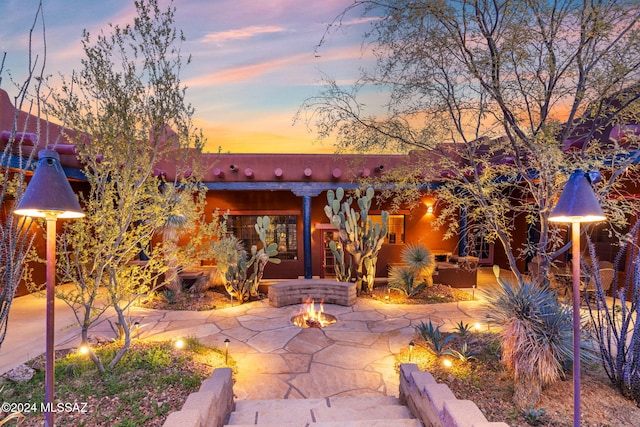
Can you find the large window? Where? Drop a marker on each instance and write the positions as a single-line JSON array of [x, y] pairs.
[[395, 227], [283, 231]]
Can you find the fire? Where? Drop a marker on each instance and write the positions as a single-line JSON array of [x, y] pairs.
[[309, 317]]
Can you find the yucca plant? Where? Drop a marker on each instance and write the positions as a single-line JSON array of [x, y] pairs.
[[419, 259], [537, 336], [403, 279]]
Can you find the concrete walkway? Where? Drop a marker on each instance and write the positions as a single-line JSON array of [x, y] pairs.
[[275, 358]]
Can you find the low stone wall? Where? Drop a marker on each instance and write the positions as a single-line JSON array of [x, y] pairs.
[[435, 404], [208, 407], [298, 291]]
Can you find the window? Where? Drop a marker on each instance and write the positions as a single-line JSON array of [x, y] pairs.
[[283, 231], [395, 227]]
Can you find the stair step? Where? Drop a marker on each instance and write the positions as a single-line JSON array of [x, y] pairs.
[[301, 414], [354, 423], [381, 412], [332, 402], [278, 404]]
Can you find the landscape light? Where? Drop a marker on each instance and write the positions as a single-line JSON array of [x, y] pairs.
[[577, 203], [49, 196]]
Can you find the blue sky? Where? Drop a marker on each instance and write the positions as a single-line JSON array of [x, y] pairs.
[[253, 61]]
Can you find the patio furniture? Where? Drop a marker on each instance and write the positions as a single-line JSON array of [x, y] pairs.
[[458, 272]]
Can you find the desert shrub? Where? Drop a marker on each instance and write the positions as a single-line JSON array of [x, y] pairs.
[[403, 279], [614, 321], [419, 259], [416, 273], [537, 336], [436, 341]]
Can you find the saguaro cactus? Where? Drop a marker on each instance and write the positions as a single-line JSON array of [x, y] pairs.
[[360, 237]]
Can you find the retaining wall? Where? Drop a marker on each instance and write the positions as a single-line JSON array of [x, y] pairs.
[[298, 291], [208, 407], [435, 404]]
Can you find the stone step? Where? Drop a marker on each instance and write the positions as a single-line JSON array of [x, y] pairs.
[[315, 412], [357, 423], [355, 402]]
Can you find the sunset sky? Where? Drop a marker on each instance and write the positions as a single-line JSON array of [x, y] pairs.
[[253, 62]]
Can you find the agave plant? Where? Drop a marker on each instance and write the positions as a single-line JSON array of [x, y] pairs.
[[403, 279], [434, 339], [537, 336]]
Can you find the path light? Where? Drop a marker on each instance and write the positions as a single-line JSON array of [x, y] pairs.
[[83, 349], [49, 196], [411, 345], [226, 351], [179, 344], [577, 204], [446, 363]]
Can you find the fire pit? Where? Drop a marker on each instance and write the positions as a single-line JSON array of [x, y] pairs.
[[309, 317]]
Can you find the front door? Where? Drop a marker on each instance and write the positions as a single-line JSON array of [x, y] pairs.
[[328, 261]]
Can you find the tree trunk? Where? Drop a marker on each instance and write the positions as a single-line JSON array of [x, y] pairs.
[[527, 391]]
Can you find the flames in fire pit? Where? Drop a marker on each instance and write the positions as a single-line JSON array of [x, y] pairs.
[[309, 317]]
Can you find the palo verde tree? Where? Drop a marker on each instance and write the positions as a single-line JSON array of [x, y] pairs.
[[497, 101], [126, 112], [17, 144]]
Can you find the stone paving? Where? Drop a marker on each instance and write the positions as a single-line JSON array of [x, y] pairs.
[[275, 359], [278, 360]]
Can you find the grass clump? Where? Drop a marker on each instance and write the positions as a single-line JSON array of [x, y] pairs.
[[153, 379]]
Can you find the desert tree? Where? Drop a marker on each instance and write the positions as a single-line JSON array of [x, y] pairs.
[[496, 102], [17, 158], [126, 112]]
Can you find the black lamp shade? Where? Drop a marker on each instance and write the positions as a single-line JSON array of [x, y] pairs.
[[578, 202], [49, 191]]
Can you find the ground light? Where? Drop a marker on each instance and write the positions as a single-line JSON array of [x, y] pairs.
[[49, 196], [226, 351], [577, 204], [411, 345]]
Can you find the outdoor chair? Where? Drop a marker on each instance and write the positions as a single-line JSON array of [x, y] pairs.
[[607, 274]]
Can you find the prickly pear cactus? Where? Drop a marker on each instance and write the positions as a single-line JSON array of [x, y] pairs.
[[361, 239], [343, 269], [237, 280]]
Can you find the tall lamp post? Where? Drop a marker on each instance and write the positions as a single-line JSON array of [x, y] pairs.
[[577, 204], [49, 196]]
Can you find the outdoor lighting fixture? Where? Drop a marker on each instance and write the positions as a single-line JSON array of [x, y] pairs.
[[49, 196], [429, 209], [226, 351], [577, 204], [83, 349], [411, 345], [179, 343], [446, 363], [477, 326]]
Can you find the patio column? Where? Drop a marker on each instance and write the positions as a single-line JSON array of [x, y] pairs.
[[306, 195], [463, 250]]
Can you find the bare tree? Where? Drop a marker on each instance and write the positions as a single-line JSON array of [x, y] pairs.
[[497, 101], [18, 151], [127, 115]]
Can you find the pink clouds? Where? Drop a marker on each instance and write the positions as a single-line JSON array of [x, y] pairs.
[[241, 33]]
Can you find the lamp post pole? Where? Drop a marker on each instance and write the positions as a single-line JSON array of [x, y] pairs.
[[575, 264], [577, 203], [49, 196], [51, 219]]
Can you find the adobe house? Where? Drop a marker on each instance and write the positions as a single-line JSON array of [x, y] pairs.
[[292, 190]]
